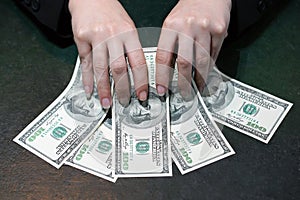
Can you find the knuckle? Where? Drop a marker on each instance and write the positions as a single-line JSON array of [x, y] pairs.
[[190, 20], [129, 25], [85, 66], [220, 29], [99, 70], [84, 32], [98, 29], [170, 22], [136, 58], [203, 62], [118, 68], [183, 63], [138, 63], [162, 58], [114, 28], [81, 33], [111, 28], [167, 23], [204, 23]]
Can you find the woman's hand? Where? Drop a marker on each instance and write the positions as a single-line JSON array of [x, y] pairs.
[[196, 28], [104, 33]]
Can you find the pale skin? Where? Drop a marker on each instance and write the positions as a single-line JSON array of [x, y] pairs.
[[105, 34]]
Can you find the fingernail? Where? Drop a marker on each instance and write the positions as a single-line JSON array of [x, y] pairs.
[[105, 103], [88, 92], [143, 96], [161, 90], [124, 102]]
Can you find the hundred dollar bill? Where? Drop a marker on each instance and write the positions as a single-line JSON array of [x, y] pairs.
[[142, 137], [196, 140], [244, 108], [64, 124], [95, 155]]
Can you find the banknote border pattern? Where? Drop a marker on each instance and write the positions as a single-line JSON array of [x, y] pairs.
[[226, 150], [264, 137]]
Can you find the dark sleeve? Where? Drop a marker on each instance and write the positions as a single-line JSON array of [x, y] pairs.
[[245, 13], [53, 14]]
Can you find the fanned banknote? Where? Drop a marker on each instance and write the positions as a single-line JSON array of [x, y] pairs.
[[95, 155], [237, 105], [244, 108], [142, 134], [142, 137], [196, 140], [64, 124]]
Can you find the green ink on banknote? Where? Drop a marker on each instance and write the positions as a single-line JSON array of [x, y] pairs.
[[104, 146], [185, 154], [142, 147], [82, 151], [193, 138], [36, 134], [250, 109], [59, 132], [255, 126], [125, 161]]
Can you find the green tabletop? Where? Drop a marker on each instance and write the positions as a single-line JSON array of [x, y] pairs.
[[34, 71]]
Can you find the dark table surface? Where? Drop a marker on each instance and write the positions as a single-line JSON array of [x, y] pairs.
[[34, 71]]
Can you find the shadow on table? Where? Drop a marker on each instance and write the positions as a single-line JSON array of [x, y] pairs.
[[229, 57]]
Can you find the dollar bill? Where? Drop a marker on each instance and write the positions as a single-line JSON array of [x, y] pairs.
[[238, 105], [64, 124], [95, 155], [142, 133], [142, 137], [196, 139], [244, 108]]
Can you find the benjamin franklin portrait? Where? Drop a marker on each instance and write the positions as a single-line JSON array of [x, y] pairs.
[[218, 92], [82, 109], [143, 116], [181, 109]]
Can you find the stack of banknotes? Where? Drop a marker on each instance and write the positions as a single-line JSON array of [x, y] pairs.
[[142, 139]]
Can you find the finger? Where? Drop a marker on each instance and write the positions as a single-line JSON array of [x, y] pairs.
[[202, 59], [119, 70], [216, 44], [100, 65], [85, 54], [218, 34], [184, 64], [164, 58], [138, 65], [140, 73]]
